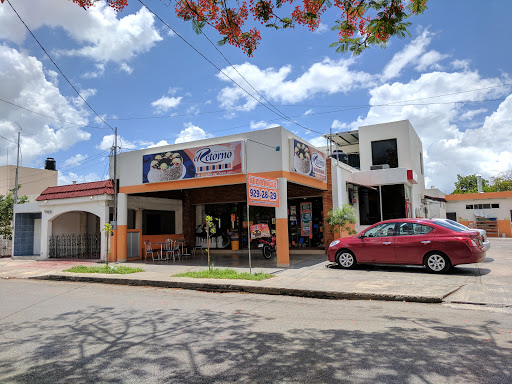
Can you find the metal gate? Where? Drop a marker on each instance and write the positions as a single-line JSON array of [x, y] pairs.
[[75, 246]]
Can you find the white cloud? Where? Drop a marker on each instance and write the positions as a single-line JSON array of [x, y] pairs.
[[339, 126], [100, 70], [430, 60], [107, 142], [126, 68], [409, 54], [163, 104], [308, 112], [448, 148], [103, 36], [66, 179], [76, 160], [322, 28], [328, 76], [472, 113], [161, 143], [191, 133], [256, 125], [23, 82]]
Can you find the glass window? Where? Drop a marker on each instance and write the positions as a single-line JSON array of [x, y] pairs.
[[450, 226], [421, 163], [495, 205], [158, 222], [469, 206], [393, 202], [381, 230], [385, 152], [451, 216], [487, 206], [408, 229], [369, 206]]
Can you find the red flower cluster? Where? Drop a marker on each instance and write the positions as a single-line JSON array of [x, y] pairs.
[[230, 21], [118, 5]]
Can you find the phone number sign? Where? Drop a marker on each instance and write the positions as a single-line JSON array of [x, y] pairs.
[[262, 191]]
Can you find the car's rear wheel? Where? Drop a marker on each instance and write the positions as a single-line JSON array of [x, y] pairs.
[[346, 259], [437, 262]]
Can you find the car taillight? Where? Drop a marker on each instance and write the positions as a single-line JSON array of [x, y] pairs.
[[467, 240]]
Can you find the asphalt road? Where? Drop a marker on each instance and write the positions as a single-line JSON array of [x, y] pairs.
[[59, 332]]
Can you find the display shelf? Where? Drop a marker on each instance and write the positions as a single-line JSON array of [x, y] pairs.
[[490, 225]]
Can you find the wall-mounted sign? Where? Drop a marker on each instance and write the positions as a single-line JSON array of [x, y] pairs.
[[259, 230], [308, 161], [306, 218], [211, 160], [262, 191]]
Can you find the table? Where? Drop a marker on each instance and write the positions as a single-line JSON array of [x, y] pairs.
[[161, 250]]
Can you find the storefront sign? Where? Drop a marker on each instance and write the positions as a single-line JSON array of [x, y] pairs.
[[306, 218], [211, 160], [259, 230], [308, 161], [262, 191]]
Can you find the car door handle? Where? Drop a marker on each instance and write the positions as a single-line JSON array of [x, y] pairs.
[[386, 242], [425, 242]]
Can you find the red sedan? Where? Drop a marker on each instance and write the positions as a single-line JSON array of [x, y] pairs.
[[436, 245]]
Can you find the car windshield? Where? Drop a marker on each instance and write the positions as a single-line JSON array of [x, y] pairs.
[[450, 226]]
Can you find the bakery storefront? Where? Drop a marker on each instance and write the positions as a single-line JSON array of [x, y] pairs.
[[167, 192]]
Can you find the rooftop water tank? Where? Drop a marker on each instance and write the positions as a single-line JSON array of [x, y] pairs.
[[49, 164]]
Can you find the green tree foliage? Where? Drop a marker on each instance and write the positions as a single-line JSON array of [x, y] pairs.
[[6, 212], [468, 184], [341, 217], [503, 182]]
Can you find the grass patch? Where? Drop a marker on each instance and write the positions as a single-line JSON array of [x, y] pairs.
[[110, 269], [227, 273]]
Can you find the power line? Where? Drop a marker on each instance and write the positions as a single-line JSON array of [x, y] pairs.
[[56, 66], [221, 71], [5, 138], [50, 117]]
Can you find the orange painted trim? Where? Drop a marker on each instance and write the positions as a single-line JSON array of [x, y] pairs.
[[282, 246], [504, 226], [221, 180], [479, 196], [185, 184], [121, 243], [113, 247]]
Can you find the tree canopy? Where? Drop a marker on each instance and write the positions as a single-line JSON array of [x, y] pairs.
[[6, 212], [468, 184], [360, 24]]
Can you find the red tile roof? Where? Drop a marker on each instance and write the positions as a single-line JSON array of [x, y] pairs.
[[77, 190]]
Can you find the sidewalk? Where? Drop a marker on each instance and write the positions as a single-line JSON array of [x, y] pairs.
[[487, 283]]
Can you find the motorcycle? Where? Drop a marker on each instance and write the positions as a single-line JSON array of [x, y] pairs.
[[268, 246]]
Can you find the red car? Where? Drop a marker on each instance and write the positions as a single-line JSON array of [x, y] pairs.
[[436, 245]]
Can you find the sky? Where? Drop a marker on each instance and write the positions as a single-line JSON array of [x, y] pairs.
[[452, 80]]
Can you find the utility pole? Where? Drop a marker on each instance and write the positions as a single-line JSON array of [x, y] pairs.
[[17, 166], [248, 219], [115, 180]]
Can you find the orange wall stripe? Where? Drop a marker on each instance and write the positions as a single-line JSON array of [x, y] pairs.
[[479, 196], [220, 180]]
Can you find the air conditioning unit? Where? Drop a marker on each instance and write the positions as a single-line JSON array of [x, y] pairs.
[[380, 166]]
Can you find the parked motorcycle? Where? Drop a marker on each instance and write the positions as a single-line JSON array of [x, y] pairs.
[[268, 246]]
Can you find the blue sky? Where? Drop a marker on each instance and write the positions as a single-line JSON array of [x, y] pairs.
[[452, 80]]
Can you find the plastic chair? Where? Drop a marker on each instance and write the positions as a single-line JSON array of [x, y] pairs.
[[169, 250], [149, 250]]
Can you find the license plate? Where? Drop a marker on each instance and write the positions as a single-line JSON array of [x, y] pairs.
[[260, 245]]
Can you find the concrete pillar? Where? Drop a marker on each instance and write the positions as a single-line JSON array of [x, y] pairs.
[[138, 218], [122, 226], [282, 246]]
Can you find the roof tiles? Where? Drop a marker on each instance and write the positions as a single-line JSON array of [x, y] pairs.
[[77, 190]]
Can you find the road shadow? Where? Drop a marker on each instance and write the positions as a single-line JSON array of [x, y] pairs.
[[108, 345]]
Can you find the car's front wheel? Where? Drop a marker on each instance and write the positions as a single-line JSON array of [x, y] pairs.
[[436, 262], [346, 259]]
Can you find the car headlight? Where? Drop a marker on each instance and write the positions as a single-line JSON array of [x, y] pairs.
[[333, 243]]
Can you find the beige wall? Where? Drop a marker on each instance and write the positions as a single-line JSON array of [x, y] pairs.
[[33, 181]]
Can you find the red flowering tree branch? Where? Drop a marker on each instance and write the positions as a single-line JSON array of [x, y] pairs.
[[361, 23]]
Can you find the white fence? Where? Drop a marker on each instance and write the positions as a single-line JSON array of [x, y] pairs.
[[5, 247]]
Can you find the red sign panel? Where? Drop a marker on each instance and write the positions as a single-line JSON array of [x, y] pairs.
[[262, 191]]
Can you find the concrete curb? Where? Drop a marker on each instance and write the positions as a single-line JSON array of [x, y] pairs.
[[220, 287]]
